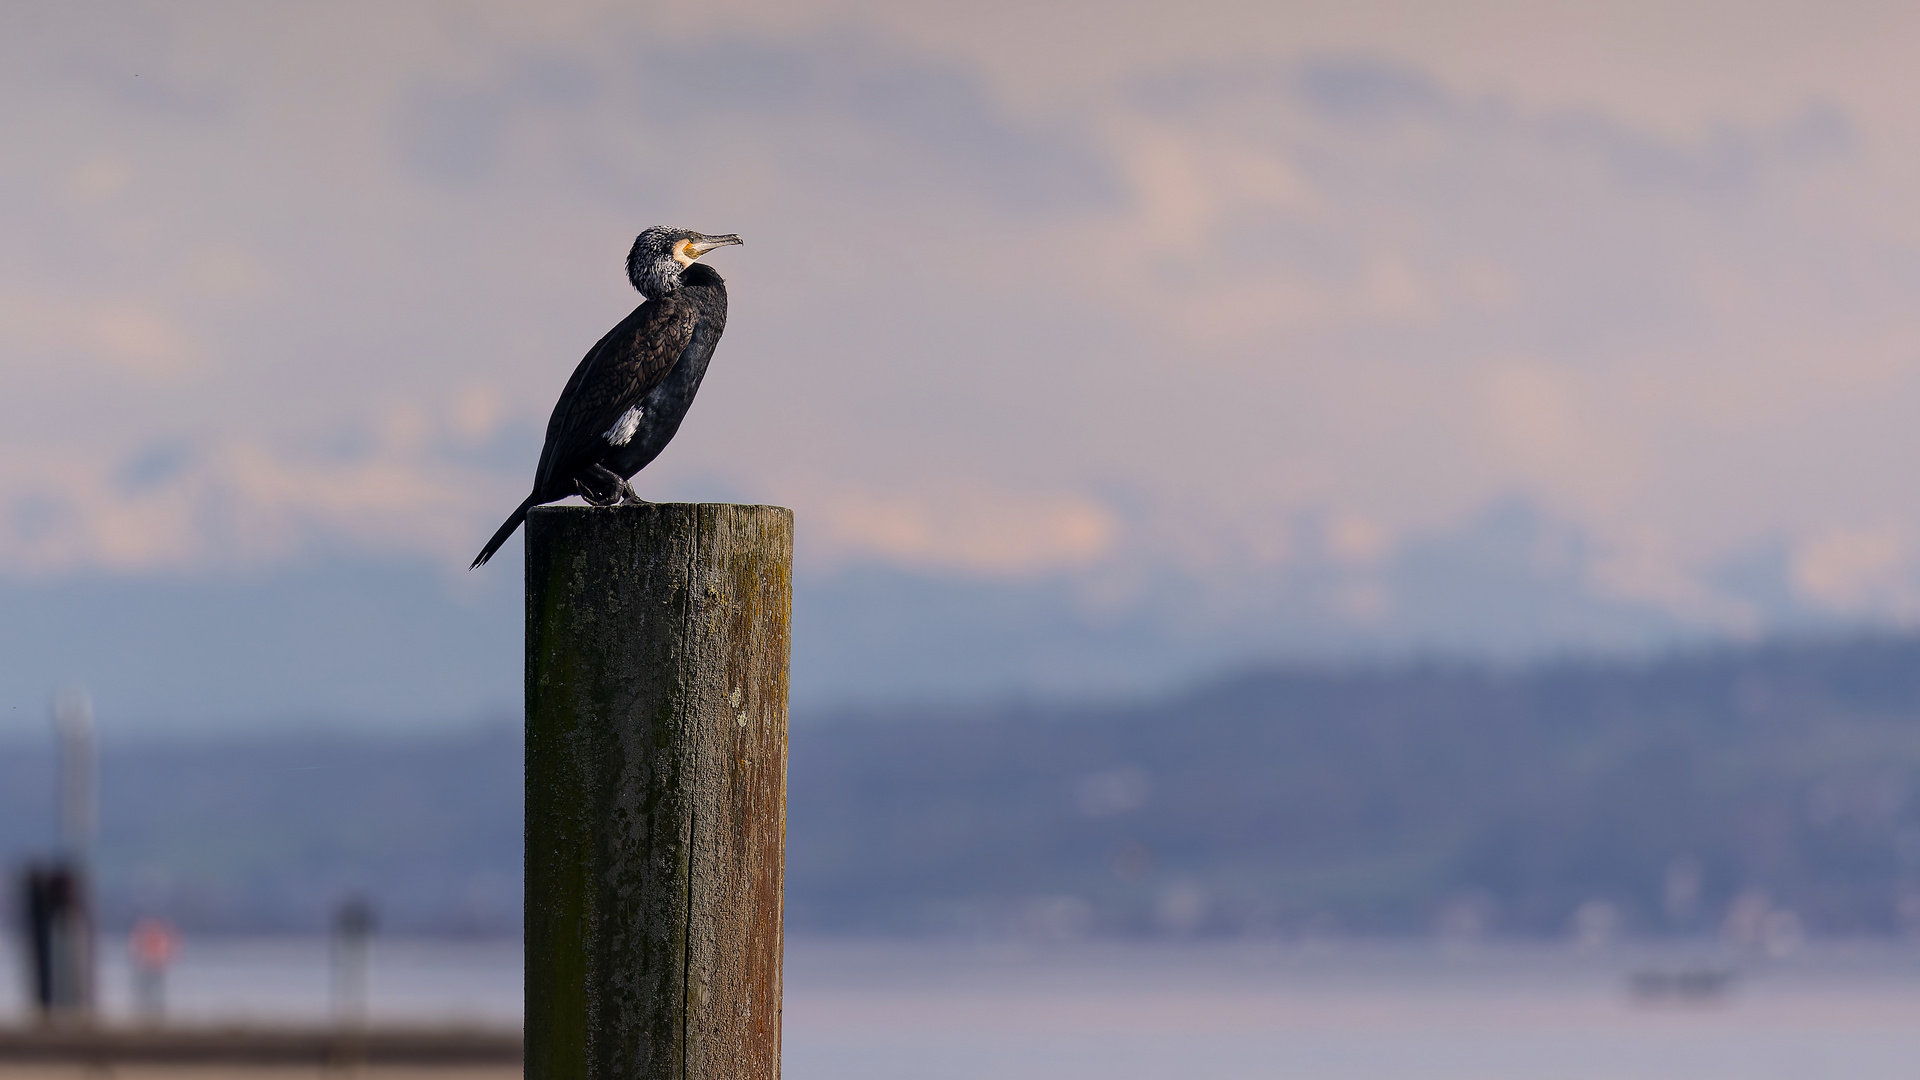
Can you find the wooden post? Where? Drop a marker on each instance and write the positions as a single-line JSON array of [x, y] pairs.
[[657, 642]]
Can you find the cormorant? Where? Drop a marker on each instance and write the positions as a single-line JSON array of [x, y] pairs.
[[632, 389]]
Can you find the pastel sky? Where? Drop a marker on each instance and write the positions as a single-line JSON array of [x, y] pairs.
[[1475, 326]]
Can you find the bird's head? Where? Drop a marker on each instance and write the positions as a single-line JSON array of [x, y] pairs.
[[661, 254]]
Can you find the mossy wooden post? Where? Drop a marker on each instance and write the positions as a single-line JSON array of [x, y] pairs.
[[657, 644]]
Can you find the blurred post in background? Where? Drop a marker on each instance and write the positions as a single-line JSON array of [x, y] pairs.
[[657, 650], [58, 919], [57, 929], [73, 723], [352, 943]]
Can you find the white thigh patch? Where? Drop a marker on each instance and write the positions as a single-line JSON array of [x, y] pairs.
[[621, 433]]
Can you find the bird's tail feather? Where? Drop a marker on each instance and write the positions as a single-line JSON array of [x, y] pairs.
[[513, 522]]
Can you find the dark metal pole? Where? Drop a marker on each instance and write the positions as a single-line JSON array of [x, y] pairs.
[[657, 643]]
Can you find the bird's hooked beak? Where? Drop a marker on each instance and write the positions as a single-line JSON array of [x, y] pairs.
[[697, 248]]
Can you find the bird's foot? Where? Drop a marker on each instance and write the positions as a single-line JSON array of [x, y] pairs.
[[596, 498], [629, 497]]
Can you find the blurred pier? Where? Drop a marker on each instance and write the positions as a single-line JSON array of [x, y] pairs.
[[329, 1047]]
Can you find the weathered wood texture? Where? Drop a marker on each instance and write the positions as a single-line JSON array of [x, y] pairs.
[[657, 644]]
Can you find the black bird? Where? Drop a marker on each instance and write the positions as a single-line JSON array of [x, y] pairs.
[[630, 392]]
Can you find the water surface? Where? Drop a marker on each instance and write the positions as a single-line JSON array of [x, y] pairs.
[[960, 1011]]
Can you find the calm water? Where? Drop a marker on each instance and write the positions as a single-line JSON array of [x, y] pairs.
[[866, 1011]]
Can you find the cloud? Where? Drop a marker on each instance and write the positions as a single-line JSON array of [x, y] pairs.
[[1856, 571], [978, 532], [224, 505], [1273, 324]]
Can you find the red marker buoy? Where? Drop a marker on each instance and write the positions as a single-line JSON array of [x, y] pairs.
[[153, 944]]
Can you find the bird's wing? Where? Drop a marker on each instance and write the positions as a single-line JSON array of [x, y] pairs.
[[623, 367]]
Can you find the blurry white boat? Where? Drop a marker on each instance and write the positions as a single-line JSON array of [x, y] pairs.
[[1693, 982]]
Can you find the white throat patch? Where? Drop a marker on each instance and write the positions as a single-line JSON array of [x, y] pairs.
[[623, 429]]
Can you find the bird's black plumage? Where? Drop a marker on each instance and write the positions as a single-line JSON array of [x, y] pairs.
[[627, 397]]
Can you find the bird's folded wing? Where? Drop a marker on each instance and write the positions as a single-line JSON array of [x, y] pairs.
[[623, 367]]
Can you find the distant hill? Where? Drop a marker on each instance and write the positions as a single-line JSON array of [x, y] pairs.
[[268, 834], [1775, 783], [1654, 794]]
